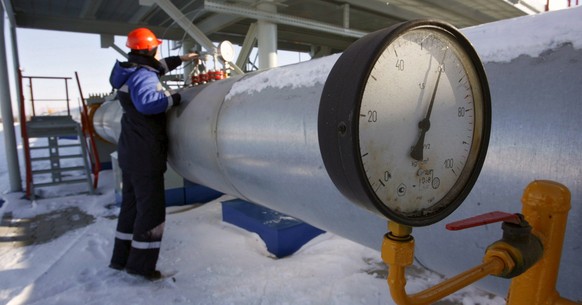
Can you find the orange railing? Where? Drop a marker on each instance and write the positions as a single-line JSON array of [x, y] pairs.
[[89, 133], [24, 135]]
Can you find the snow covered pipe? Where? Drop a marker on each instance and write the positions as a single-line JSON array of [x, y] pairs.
[[255, 137]]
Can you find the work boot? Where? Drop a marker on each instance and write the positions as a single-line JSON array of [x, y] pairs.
[[152, 276], [116, 266]]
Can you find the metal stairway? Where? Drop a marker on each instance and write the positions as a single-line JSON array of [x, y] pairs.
[[55, 147]]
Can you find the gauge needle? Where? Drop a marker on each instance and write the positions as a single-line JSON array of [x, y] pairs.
[[424, 124]]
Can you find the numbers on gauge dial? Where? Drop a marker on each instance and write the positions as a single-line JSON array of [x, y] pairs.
[[419, 91]]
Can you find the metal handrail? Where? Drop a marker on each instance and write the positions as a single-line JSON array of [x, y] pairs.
[[88, 132], [32, 99], [24, 135]]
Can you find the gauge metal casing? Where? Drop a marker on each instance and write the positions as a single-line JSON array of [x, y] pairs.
[[377, 143]]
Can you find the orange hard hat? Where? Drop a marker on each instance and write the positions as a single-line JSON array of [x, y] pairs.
[[142, 39]]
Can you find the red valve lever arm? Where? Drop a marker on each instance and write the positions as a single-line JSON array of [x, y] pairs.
[[483, 219]]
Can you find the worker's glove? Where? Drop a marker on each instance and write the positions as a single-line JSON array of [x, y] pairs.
[[176, 99], [190, 56]]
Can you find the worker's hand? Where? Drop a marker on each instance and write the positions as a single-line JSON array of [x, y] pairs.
[[189, 56]]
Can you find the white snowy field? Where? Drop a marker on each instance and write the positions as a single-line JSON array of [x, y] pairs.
[[212, 262]]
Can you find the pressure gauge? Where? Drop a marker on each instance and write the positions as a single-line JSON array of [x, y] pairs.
[[404, 121], [226, 51]]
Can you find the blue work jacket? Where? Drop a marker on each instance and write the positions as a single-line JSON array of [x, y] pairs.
[[143, 142]]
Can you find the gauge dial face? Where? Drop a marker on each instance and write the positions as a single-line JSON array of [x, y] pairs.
[[404, 121], [226, 50], [420, 122]]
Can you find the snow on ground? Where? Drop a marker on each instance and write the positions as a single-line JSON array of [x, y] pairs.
[[208, 261]]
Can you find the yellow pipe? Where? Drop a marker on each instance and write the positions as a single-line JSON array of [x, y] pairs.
[[397, 282], [398, 253], [545, 207]]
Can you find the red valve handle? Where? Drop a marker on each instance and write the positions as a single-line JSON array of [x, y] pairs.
[[483, 219]]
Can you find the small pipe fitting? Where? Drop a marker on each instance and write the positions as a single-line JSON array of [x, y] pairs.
[[504, 255], [398, 251], [399, 230]]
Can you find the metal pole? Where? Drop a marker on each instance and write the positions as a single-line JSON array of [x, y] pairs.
[[267, 37], [187, 46], [7, 119]]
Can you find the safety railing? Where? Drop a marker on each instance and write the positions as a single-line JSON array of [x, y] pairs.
[[90, 135], [34, 100]]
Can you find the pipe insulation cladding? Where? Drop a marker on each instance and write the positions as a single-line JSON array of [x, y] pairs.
[[255, 137]]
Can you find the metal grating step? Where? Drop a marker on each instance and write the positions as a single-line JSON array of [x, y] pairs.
[[58, 170], [84, 180], [60, 157], [47, 126], [59, 145]]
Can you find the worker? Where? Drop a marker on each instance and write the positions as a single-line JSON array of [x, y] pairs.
[[142, 151]]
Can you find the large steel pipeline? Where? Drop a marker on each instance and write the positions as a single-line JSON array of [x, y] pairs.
[[255, 137]]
